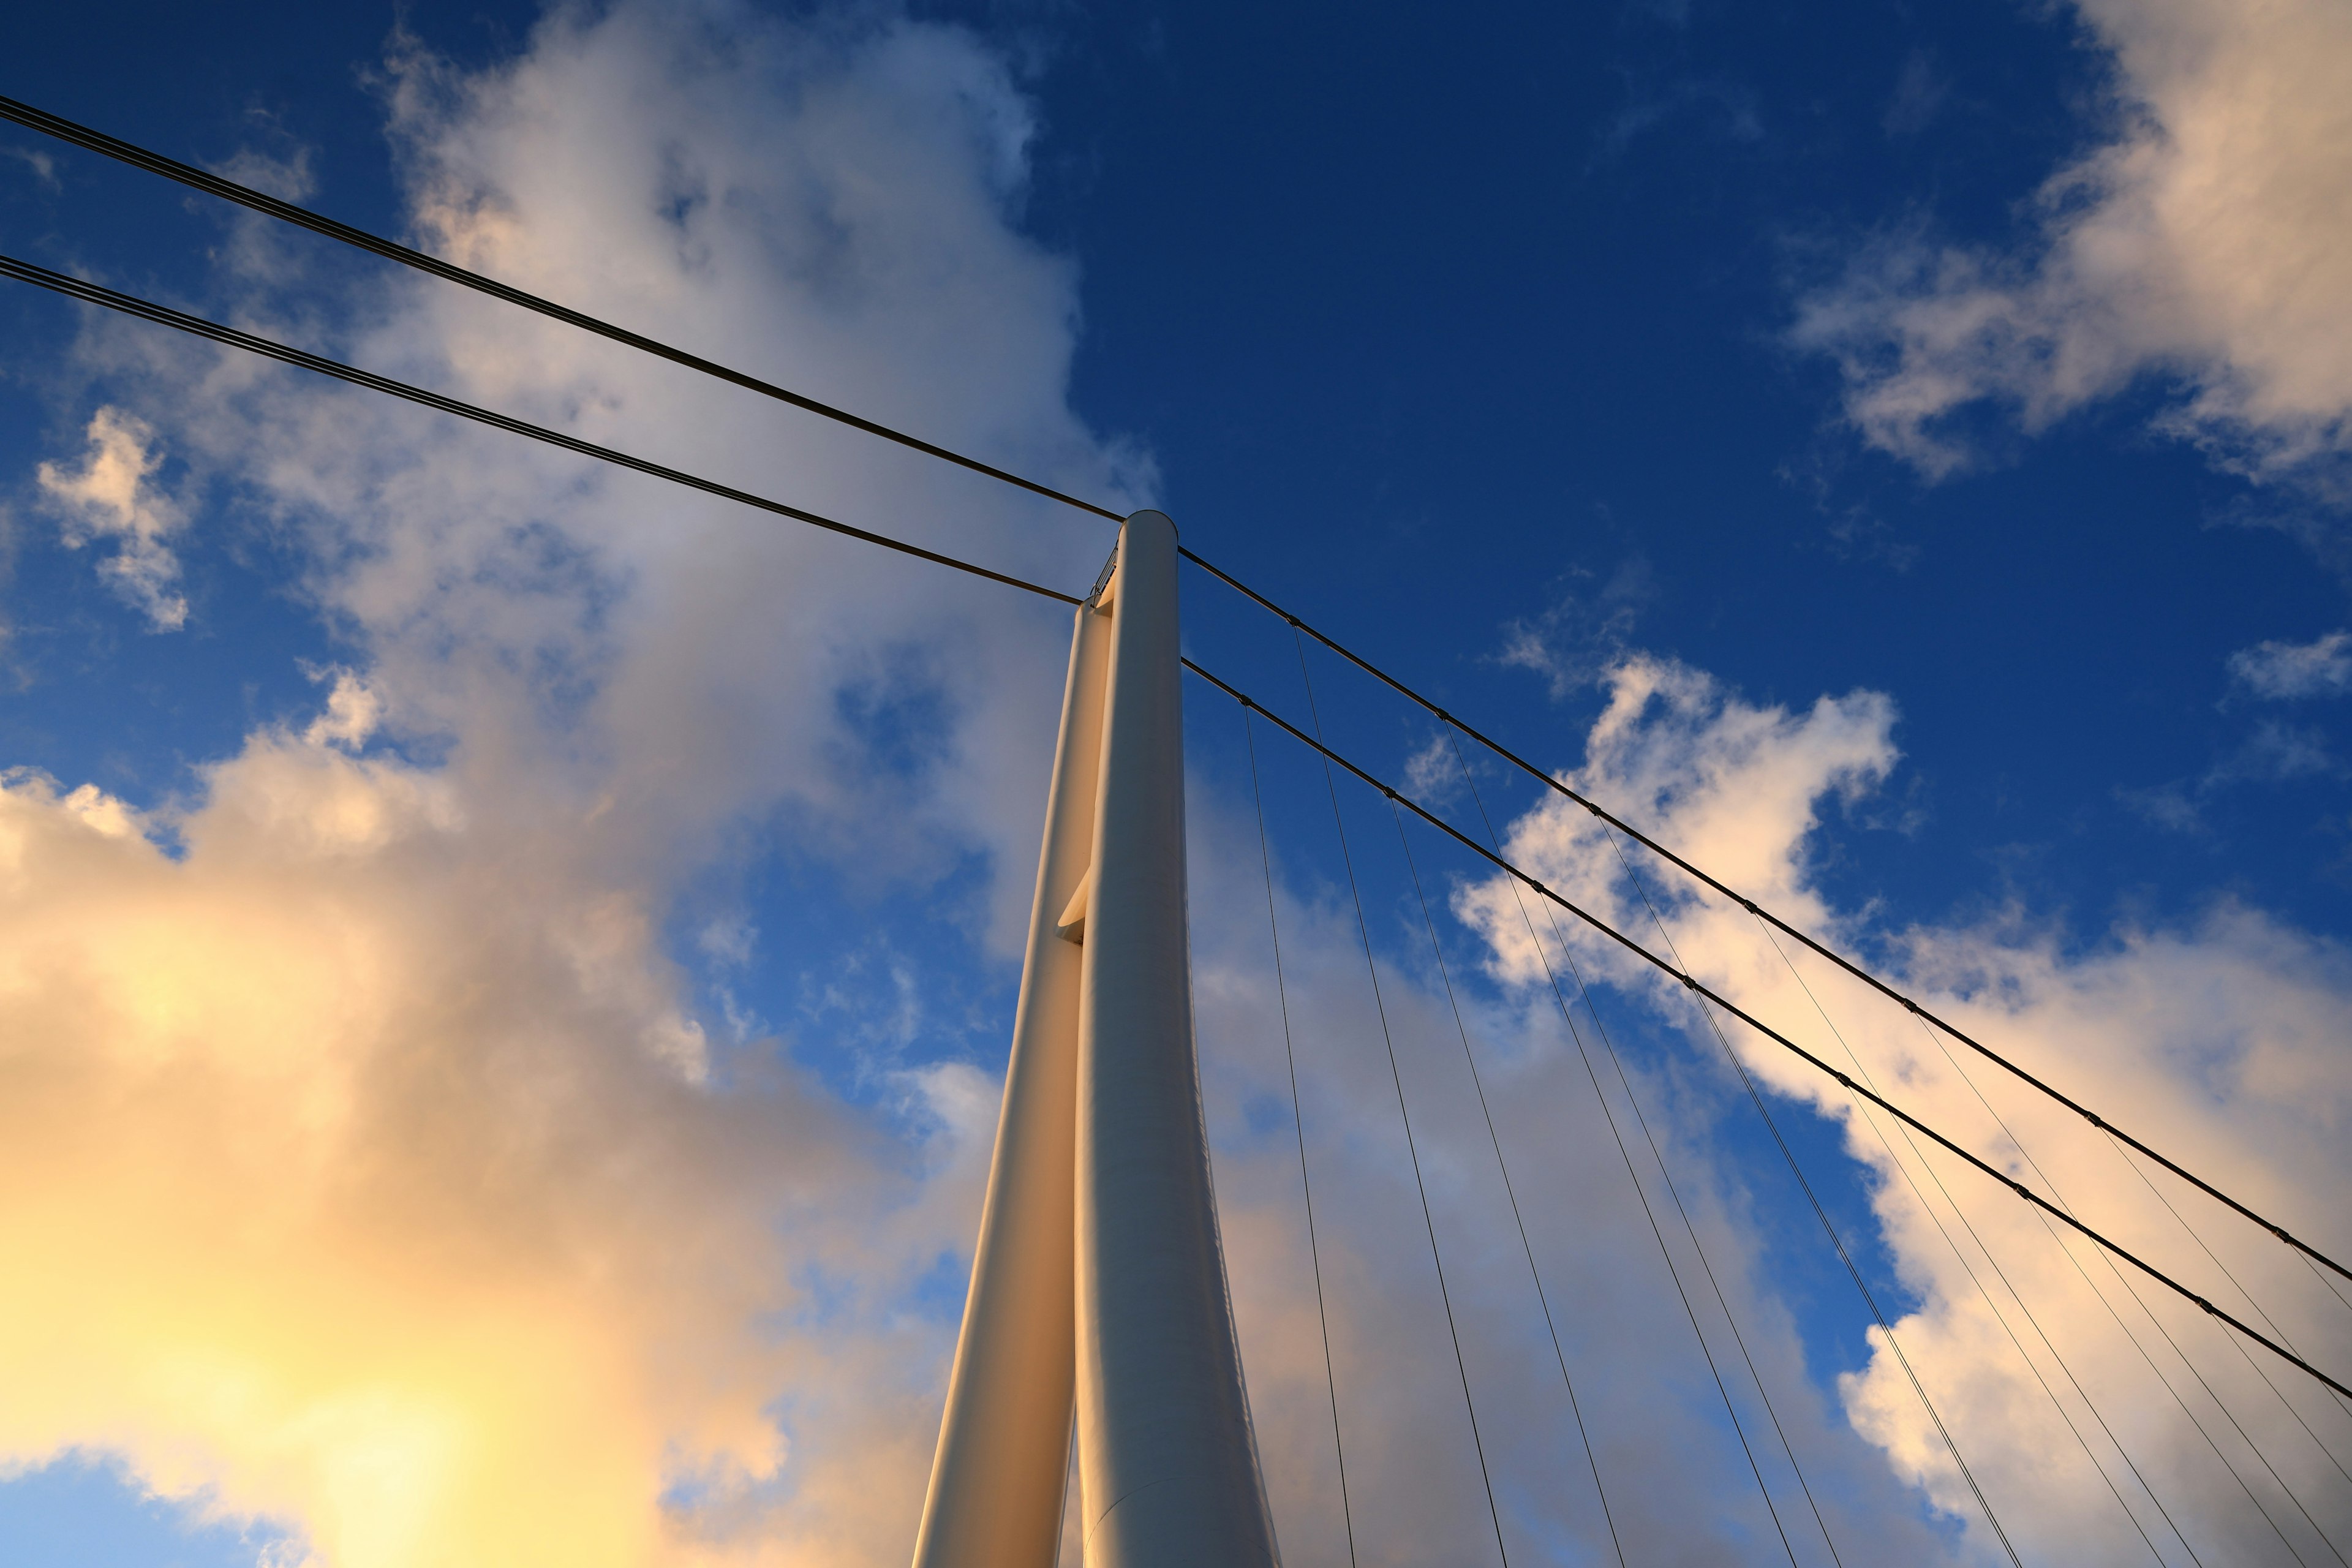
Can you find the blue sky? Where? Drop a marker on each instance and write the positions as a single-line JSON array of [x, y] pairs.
[[1855, 441]]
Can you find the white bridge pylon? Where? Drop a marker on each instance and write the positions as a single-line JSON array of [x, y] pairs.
[[1099, 1282]]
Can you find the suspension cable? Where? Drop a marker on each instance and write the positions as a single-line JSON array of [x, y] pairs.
[[1477, 1082], [1692, 983], [139, 157], [1364, 930], [2256, 1307], [163, 315], [1625, 1084], [2141, 1302], [1298, 1122], [1753, 907], [1870, 1297], [128, 152], [1999, 1316]]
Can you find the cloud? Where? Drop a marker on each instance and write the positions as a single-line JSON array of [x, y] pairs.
[[1584, 631], [44, 166], [111, 497], [2201, 244], [358, 1178], [368, 1166], [353, 714], [2213, 1040], [2283, 671]]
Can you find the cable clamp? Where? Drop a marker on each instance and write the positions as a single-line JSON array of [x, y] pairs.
[[2204, 1303], [1689, 983], [1910, 1004], [1389, 792], [1749, 905]]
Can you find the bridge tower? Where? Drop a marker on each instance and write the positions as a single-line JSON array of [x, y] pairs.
[[1099, 1302]]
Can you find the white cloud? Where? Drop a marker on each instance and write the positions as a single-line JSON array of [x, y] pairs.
[[352, 714], [111, 497], [2215, 1041], [363, 1165], [2284, 670], [366, 1167], [2204, 243]]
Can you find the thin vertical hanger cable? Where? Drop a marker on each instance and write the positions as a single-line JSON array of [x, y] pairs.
[[1477, 1082], [2331, 1285], [1364, 930], [1925, 1015], [1999, 1316], [213, 184], [1623, 1152], [2129, 1333], [2245, 1295], [1298, 1122], [2236, 1426], [1755, 1098], [288, 213], [1698, 987]]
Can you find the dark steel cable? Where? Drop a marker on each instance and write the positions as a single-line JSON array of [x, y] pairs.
[[213, 184], [1477, 1081], [1644, 840], [128, 152], [1363, 928], [1999, 1316], [2141, 1302], [1626, 1083], [113, 147], [2247, 1296], [1870, 1298], [1693, 983], [1298, 1122], [163, 315]]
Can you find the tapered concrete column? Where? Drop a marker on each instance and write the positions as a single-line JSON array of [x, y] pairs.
[[1166, 1460], [996, 1491]]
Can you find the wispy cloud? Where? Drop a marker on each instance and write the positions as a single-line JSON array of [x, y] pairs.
[[2202, 245], [111, 497], [368, 1167], [2282, 671]]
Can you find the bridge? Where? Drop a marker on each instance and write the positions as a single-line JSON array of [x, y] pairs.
[[1098, 1332]]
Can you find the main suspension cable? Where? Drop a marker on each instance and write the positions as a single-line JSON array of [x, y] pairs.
[[163, 315], [1999, 1316], [1694, 984], [128, 152], [1854, 1271], [2165, 1334], [1753, 907], [139, 157]]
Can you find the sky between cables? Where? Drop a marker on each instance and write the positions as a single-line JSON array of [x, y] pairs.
[[112, 147], [111, 300], [642, 213]]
